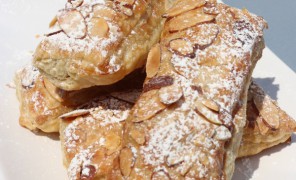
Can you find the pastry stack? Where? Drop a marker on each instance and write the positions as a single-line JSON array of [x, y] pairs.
[[151, 89]]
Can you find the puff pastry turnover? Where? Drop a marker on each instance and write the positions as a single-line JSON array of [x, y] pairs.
[[98, 42], [41, 103], [188, 122]]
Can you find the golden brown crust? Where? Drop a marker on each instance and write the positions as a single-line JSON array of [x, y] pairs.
[[41, 103], [267, 124], [183, 137], [99, 43]]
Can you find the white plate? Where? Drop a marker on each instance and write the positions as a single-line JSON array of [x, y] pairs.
[[27, 156]]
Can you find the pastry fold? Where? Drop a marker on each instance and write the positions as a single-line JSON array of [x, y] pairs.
[[41, 103], [188, 122], [98, 42], [267, 124]]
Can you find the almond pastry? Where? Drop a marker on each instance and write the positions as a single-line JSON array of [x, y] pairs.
[[196, 133], [98, 42]]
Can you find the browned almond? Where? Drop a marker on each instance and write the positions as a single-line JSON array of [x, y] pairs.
[[182, 47], [125, 10], [207, 113], [211, 104], [268, 110], [263, 128], [98, 28], [72, 23], [183, 6], [104, 12], [174, 159], [211, 8], [138, 136], [153, 61], [112, 143], [160, 175], [73, 114], [53, 21], [204, 35], [147, 106], [91, 172], [170, 94], [189, 19], [126, 161], [222, 133], [158, 82], [74, 3], [128, 3], [52, 90]]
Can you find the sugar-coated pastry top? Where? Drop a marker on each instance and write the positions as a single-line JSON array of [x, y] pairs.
[[192, 105], [98, 42]]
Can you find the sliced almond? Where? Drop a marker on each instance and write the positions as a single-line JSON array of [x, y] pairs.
[[128, 3], [268, 110], [103, 11], [52, 90], [174, 159], [138, 136], [160, 175], [211, 105], [98, 28], [211, 8], [189, 19], [72, 23], [207, 113], [126, 161], [147, 106], [222, 133], [262, 126], [74, 3], [125, 10], [170, 94], [112, 143], [182, 47], [204, 35], [183, 6], [153, 61], [53, 21], [73, 114]]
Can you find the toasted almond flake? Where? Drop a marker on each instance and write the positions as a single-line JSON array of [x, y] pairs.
[[160, 175], [126, 161], [170, 94], [211, 8], [211, 105], [52, 90], [72, 23], [189, 19], [147, 106], [126, 2], [174, 159], [104, 12], [207, 113], [222, 133], [204, 35], [74, 114], [183, 6], [263, 128], [153, 61], [98, 28], [74, 3], [53, 21], [138, 136], [112, 142], [125, 10], [182, 47], [268, 110]]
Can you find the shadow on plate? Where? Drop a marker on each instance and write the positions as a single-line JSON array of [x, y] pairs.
[[245, 167], [269, 87], [52, 136]]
